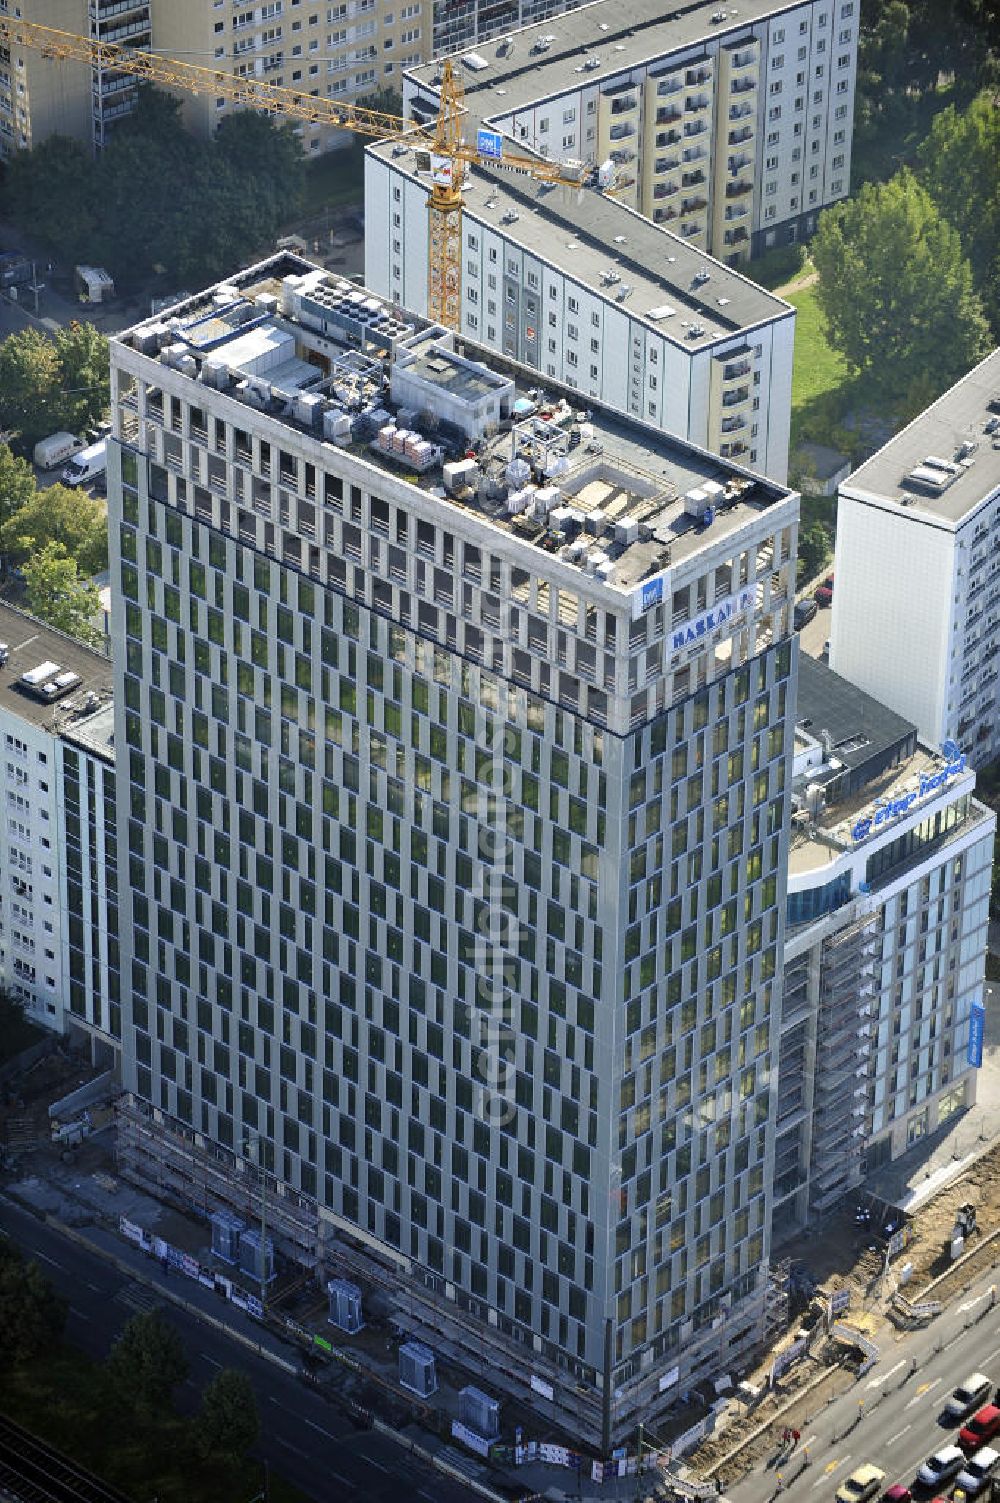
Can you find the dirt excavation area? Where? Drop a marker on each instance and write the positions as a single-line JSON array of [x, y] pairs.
[[876, 1262]]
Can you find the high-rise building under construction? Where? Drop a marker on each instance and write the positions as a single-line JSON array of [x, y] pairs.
[[454, 734]]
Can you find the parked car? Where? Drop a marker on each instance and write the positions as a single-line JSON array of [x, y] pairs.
[[89, 466], [863, 1483], [941, 1467], [897, 1493], [968, 1396], [978, 1470], [983, 1425], [804, 612]]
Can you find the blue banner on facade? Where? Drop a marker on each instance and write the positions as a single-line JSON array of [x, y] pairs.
[[977, 1030]]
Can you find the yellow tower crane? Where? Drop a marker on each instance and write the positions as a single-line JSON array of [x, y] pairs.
[[448, 151]]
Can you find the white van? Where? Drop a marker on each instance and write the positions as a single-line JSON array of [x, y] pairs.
[[89, 465], [56, 449]]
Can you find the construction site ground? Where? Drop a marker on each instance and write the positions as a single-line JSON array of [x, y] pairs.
[[839, 1254]]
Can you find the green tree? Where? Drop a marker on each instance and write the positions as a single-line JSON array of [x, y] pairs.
[[895, 289], [57, 595], [269, 154], [17, 486], [147, 1361], [32, 1315], [57, 514], [30, 381], [85, 375], [51, 194], [814, 549], [960, 167], [228, 1423]]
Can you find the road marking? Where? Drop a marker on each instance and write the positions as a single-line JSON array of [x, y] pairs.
[[877, 1382], [313, 1426], [378, 1466], [831, 1466], [970, 1304], [283, 1442], [345, 1480], [898, 1435], [990, 1355], [207, 1358], [54, 1261], [924, 1388], [807, 1443], [78, 1313]]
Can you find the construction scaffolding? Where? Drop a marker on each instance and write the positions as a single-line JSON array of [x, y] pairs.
[[845, 1035], [182, 1168], [776, 1301]]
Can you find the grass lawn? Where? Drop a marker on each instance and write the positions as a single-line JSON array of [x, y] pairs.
[[335, 177], [818, 368], [62, 1399]]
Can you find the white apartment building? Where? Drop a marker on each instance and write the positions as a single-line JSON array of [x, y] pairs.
[[916, 612], [341, 636], [731, 126], [58, 908], [590, 294], [885, 945]]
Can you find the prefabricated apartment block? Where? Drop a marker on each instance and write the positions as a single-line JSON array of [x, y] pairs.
[[591, 294], [916, 614], [731, 125]]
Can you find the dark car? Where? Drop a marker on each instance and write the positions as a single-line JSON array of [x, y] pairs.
[[805, 610]]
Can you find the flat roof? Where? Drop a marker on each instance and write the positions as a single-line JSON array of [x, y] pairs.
[[31, 643], [816, 846], [585, 235], [959, 417], [622, 34], [860, 726], [621, 483]]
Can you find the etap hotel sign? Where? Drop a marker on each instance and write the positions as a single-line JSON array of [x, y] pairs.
[[891, 809], [699, 627]]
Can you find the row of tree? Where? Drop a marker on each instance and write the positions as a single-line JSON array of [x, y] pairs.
[[143, 1368], [156, 199], [909, 269], [50, 384], [906, 47], [58, 539]]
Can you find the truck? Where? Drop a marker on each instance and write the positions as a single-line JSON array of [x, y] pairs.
[[56, 449], [88, 465], [15, 269]]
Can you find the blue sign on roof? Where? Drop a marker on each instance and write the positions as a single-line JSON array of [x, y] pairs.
[[489, 144]]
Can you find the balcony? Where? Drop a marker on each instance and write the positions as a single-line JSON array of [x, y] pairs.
[[738, 190], [738, 137], [105, 10], [667, 114]]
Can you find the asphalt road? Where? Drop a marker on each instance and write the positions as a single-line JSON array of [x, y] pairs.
[[304, 1437], [891, 1417]]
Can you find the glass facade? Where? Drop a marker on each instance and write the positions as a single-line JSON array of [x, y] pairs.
[[495, 981]]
